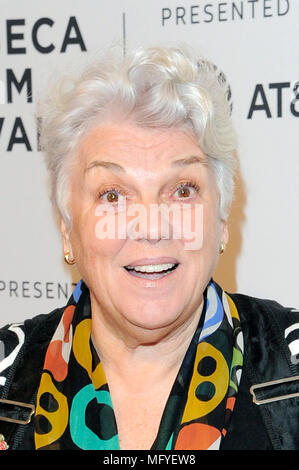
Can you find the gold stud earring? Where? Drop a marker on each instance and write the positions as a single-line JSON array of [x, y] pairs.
[[67, 258], [222, 248]]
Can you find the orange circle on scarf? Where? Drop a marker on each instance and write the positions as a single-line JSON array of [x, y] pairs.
[[197, 436]]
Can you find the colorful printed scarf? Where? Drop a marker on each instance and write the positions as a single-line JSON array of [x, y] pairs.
[[74, 408]]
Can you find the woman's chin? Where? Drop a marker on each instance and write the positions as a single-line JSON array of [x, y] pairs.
[[151, 319], [151, 304]]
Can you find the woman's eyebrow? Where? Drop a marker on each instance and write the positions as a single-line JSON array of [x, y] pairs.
[[105, 164], [189, 161]]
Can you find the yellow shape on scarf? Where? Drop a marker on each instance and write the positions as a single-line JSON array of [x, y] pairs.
[[218, 379], [58, 419], [82, 352]]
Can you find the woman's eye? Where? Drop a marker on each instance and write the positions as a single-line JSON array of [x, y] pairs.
[[110, 195], [187, 190]]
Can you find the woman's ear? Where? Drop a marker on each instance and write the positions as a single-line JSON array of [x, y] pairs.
[[225, 233], [67, 247]]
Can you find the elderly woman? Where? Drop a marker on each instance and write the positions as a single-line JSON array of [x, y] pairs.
[[149, 352]]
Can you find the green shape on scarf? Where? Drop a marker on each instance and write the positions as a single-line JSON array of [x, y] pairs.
[[82, 436]]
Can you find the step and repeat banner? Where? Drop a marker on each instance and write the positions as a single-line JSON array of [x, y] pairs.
[[254, 42]]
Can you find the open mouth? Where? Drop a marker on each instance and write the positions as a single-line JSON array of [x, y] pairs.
[[152, 271]]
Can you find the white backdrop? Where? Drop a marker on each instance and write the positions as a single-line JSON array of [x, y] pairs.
[[255, 43]]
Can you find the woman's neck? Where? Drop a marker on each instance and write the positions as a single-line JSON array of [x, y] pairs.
[[147, 355]]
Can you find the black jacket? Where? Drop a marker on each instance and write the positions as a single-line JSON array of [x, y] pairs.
[[269, 330]]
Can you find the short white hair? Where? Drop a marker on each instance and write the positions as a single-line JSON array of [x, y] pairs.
[[158, 87]]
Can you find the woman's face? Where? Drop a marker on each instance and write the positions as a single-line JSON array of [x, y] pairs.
[[143, 171]]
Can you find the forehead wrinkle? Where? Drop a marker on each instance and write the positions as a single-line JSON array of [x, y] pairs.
[[92, 145], [139, 171]]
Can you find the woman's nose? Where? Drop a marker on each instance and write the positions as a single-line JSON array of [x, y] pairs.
[[150, 221]]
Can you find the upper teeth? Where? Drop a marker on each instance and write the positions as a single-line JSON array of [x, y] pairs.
[[151, 268]]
